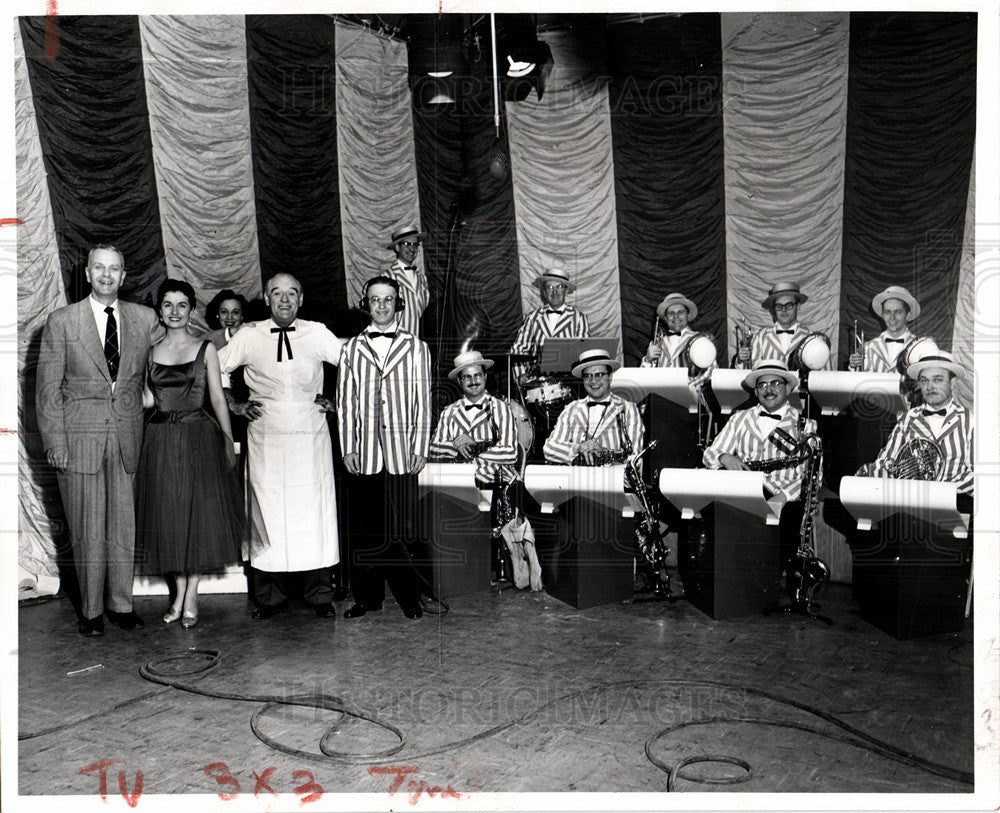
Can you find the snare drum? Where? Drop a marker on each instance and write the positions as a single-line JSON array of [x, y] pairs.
[[546, 391]]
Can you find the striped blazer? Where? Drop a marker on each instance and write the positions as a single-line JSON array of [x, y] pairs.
[[415, 296], [668, 359], [767, 345], [384, 410], [955, 442], [479, 423], [572, 324], [878, 357], [744, 437], [573, 424]]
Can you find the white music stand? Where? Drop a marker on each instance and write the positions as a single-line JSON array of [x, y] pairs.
[[871, 499], [552, 486], [457, 480], [691, 490], [671, 383], [834, 390]]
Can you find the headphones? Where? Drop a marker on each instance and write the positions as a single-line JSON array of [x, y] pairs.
[[382, 279]]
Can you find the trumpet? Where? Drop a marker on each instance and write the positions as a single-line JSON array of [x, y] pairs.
[[744, 337], [858, 348]]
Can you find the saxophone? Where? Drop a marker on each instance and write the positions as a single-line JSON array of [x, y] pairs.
[[610, 457], [807, 571], [481, 446], [648, 534]]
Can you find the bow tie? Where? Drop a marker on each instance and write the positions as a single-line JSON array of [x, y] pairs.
[[283, 335], [409, 268], [780, 331], [374, 334], [673, 333], [900, 341], [550, 310], [598, 403], [940, 412], [473, 406], [772, 415]]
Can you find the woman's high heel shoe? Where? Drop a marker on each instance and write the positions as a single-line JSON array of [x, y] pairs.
[[189, 620], [171, 615]]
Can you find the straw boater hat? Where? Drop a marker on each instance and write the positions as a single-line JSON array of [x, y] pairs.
[[939, 358], [404, 233], [592, 358], [554, 275], [769, 367], [900, 293], [677, 299], [781, 288], [472, 358]]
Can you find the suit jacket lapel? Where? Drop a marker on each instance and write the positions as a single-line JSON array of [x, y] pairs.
[[397, 352], [90, 338]]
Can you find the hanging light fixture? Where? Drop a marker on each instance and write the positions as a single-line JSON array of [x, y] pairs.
[[498, 158]]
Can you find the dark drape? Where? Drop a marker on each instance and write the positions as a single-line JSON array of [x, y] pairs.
[[910, 132], [666, 124], [291, 78], [90, 105]]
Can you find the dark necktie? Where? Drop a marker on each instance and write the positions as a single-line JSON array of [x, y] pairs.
[[772, 415], [898, 341], [779, 331], [111, 343], [928, 412], [472, 406], [283, 335], [604, 404], [374, 334]]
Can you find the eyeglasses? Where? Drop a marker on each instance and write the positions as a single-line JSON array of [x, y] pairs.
[[407, 243], [554, 286], [763, 386], [595, 376], [787, 306], [380, 300], [469, 378]]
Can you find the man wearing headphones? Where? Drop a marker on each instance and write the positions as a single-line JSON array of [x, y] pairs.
[[383, 399]]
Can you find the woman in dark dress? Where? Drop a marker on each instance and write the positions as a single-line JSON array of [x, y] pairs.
[[189, 513]]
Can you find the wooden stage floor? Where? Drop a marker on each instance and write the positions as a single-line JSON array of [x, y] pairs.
[[509, 691]]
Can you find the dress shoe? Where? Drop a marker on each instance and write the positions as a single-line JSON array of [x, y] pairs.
[[171, 615], [325, 610], [360, 609], [264, 612], [189, 620], [127, 621], [92, 627], [413, 612]]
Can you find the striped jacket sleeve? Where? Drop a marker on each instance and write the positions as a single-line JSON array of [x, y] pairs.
[[347, 401], [422, 399], [570, 427]]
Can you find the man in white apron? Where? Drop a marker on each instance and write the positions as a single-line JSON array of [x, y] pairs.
[[293, 510]]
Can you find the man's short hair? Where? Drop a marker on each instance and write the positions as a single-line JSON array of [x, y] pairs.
[[270, 279], [105, 247]]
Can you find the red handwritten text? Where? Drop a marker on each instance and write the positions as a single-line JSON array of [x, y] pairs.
[[414, 788], [309, 791], [132, 799]]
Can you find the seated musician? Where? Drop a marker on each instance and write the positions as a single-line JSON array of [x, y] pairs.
[[784, 335], [768, 432], [600, 428], [482, 428], [553, 320], [896, 307], [932, 441]]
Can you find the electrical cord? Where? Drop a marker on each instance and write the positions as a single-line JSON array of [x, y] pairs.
[[209, 661]]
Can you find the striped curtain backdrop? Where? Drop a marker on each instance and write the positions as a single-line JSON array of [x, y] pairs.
[[711, 154]]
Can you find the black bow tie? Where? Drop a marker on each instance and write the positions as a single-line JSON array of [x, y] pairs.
[[598, 403], [899, 341], [473, 406], [374, 334], [673, 333], [551, 310], [283, 335], [779, 331], [409, 268], [940, 412], [772, 415]]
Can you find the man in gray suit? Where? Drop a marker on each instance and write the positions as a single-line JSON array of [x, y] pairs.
[[91, 372]]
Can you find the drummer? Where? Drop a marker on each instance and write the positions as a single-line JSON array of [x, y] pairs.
[[553, 320]]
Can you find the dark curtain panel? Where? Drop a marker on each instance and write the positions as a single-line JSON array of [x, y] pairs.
[[666, 125], [911, 122], [291, 77], [90, 105]]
